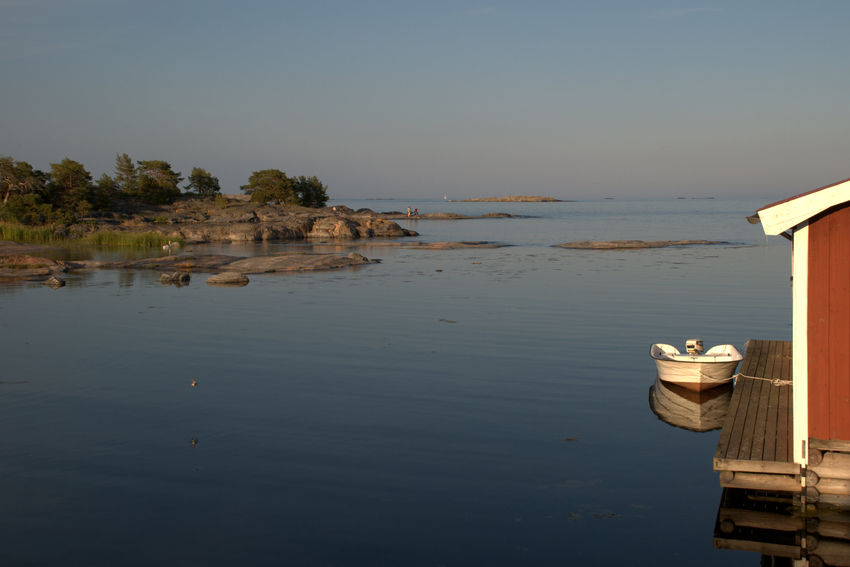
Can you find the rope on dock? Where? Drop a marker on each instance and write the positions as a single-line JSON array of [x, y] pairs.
[[773, 382]]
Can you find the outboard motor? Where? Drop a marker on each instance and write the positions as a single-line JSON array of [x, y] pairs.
[[694, 346]]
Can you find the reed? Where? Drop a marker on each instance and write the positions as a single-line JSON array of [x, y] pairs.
[[128, 239], [45, 235], [28, 234]]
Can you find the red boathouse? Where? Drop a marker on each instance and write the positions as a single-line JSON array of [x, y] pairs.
[[818, 224]]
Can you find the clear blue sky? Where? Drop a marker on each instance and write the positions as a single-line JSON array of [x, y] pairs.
[[431, 98]]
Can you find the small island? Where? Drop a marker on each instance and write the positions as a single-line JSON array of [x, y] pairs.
[[516, 199], [635, 244]]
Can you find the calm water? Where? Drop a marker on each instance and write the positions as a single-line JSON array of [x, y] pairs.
[[467, 407]]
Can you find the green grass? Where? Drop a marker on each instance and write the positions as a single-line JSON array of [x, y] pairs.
[[34, 235]]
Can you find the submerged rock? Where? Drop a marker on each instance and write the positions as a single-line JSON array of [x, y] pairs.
[[178, 279], [288, 262], [228, 279], [54, 282]]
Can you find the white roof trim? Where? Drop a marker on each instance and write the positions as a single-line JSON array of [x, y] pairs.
[[777, 218]]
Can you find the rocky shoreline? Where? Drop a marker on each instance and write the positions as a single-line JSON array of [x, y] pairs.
[[199, 220]]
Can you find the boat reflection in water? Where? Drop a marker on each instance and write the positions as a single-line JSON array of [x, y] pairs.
[[771, 524], [694, 411]]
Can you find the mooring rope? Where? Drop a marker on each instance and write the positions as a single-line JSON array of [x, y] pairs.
[[773, 381]]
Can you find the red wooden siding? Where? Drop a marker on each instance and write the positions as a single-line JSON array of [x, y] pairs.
[[829, 324]]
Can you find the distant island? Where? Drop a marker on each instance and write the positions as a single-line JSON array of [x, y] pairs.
[[515, 199], [635, 244]]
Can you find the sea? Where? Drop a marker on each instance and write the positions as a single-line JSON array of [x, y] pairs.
[[440, 408]]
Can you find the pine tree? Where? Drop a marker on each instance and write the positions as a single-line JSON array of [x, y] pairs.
[[202, 183], [126, 176]]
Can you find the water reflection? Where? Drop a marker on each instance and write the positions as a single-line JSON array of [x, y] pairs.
[[770, 524], [694, 411], [126, 278], [105, 253], [74, 279]]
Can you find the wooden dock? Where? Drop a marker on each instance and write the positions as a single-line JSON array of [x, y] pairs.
[[754, 450]]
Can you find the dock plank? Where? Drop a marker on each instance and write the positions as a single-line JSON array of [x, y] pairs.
[[726, 433], [750, 424], [762, 425], [750, 362], [766, 428], [738, 421], [771, 431], [727, 447]]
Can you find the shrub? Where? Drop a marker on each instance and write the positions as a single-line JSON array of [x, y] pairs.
[[29, 210]]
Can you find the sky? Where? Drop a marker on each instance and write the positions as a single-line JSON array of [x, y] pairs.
[[426, 99]]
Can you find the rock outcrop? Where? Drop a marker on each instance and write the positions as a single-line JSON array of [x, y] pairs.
[[22, 266], [229, 279], [199, 220], [288, 262], [26, 266]]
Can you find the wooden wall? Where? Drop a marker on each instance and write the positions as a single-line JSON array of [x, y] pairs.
[[829, 324]]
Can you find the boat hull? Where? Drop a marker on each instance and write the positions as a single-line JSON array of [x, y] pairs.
[[696, 372], [696, 376]]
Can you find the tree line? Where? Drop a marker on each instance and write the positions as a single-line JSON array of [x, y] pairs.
[[59, 196]]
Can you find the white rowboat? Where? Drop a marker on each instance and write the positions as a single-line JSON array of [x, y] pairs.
[[694, 370]]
